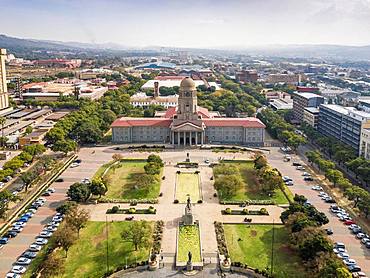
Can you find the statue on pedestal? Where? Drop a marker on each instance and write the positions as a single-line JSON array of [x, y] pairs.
[[189, 264]]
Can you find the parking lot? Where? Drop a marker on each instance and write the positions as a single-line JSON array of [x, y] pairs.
[[341, 233], [16, 246]]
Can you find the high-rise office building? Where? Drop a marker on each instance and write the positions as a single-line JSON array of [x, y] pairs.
[[304, 100], [4, 98]]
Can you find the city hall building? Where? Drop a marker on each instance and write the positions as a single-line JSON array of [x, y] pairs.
[[189, 125]]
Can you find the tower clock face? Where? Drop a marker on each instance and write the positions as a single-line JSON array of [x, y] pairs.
[[187, 94]]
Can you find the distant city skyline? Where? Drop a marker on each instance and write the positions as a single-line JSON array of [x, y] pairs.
[[202, 23]]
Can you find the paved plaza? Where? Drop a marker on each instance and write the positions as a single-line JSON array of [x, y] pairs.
[[207, 212]]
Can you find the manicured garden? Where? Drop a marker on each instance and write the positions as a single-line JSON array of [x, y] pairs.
[[187, 184], [252, 245], [88, 255], [189, 240], [128, 180], [248, 185]]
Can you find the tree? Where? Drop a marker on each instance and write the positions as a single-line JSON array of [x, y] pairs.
[[155, 159], [56, 134], [98, 187], [259, 162], [25, 156], [298, 221], [138, 233], [270, 179], [77, 218], [34, 149], [311, 246], [13, 164], [356, 194], [152, 168], [117, 157], [79, 192], [364, 205], [66, 206], [64, 237], [64, 146], [27, 178], [52, 266], [229, 185], [5, 198], [334, 176]]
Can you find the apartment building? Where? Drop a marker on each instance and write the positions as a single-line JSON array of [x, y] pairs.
[[304, 100], [343, 123], [311, 116], [4, 98]]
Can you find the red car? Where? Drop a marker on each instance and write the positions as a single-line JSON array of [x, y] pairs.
[[349, 222]]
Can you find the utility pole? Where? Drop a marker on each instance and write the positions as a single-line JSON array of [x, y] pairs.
[[107, 237], [272, 247]]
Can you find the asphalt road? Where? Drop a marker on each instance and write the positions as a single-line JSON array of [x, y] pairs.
[[355, 248]]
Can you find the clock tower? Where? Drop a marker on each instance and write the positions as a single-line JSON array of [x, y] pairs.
[[187, 102]]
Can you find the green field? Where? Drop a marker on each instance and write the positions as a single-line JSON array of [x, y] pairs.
[[251, 245], [123, 181], [250, 191], [87, 257], [187, 184], [188, 241]]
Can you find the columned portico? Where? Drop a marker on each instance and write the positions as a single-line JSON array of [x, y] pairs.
[[187, 138]]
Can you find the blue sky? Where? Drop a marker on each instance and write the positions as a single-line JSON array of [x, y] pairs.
[[200, 23]]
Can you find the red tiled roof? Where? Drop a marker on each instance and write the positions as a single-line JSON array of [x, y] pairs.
[[201, 111], [235, 122], [127, 122], [170, 112], [204, 112]]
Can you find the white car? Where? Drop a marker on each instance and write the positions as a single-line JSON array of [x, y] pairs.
[[360, 235], [301, 168], [343, 255], [45, 234], [12, 275], [19, 224], [41, 241], [339, 250], [305, 174], [289, 183], [34, 248], [286, 178], [23, 261], [74, 165], [354, 226], [50, 229], [316, 187], [18, 269], [349, 261], [365, 240]]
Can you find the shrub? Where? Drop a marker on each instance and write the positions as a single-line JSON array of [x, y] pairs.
[[245, 211], [160, 194], [114, 209], [215, 194], [176, 201], [133, 203], [263, 211], [132, 210], [228, 211], [200, 201]]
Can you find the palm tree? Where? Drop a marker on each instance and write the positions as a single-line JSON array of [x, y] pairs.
[[2, 123]]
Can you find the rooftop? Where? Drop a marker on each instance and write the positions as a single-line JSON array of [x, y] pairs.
[[308, 95]]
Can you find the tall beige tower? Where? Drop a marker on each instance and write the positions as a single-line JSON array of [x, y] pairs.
[[187, 103], [4, 98]]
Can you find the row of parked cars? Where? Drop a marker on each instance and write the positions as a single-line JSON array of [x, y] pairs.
[[341, 252], [23, 261]]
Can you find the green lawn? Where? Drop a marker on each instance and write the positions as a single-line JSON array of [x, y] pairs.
[[188, 241], [251, 192], [187, 184], [87, 257], [122, 181], [251, 244]]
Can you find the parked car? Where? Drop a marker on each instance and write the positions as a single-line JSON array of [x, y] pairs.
[[74, 165], [29, 255], [11, 234], [51, 190], [4, 240], [59, 180], [339, 245], [356, 231], [354, 268], [41, 241], [329, 231], [45, 234], [296, 164], [365, 240], [349, 262], [46, 193], [349, 222], [286, 178], [360, 235], [305, 174], [18, 269], [34, 248], [316, 187], [301, 168], [23, 261], [308, 179], [330, 200], [367, 244], [343, 255], [289, 183], [12, 275], [339, 250], [17, 229], [359, 275]]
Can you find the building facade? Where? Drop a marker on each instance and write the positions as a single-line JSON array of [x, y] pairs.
[[189, 125], [304, 100], [343, 123], [365, 143], [4, 98], [311, 116]]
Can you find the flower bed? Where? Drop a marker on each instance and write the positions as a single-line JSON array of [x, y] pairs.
[[249, 202], [245, 211], [117, 210]]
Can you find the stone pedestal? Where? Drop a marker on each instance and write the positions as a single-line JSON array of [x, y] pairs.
[[188, 217], [189, 266]]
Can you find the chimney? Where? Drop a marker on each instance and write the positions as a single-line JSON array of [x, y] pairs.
[[156, 89]]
